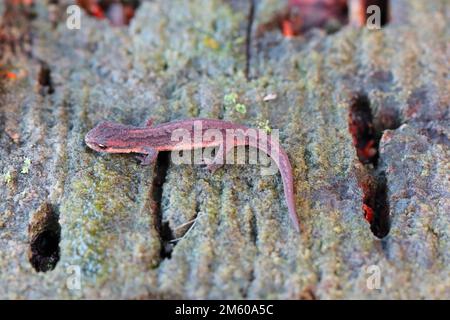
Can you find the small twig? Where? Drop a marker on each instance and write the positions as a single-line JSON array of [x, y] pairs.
[[193, 221], [185, 224]]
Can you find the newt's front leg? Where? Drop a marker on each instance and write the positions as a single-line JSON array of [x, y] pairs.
[[219, 159], [148, 157]]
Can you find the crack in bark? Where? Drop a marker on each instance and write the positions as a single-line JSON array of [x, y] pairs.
[[366, 140], [165, 233], [254, 239], [248, 42]]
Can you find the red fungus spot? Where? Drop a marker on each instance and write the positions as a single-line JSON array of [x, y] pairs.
[[287, 28], [368, 213], [128, 12], [119, 13], [96, 11], [302, 15], [369, 150]]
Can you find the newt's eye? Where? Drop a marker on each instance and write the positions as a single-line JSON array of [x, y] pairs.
[[102, 146]]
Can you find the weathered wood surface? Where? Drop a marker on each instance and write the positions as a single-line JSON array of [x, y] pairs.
[[178, 59]]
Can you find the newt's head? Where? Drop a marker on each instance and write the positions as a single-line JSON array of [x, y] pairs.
[[109, 137]]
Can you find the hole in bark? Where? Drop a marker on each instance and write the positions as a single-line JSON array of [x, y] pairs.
[[363, 12], [303, 15], [366, 141], [165, 232], [380, 224], [45, 79], [45, 234], [118, 12]]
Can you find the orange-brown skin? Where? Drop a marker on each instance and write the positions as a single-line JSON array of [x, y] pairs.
[[118, 138]]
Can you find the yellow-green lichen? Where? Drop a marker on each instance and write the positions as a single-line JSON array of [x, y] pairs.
[[230, 99], [241, 108], [264, 125], [7, 177], [26, 166]]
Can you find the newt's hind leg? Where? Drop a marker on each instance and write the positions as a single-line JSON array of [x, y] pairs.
[[148, 157]]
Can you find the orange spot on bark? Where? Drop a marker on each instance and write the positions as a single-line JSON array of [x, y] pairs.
[[11, 75], [8, 75], [24, 2]]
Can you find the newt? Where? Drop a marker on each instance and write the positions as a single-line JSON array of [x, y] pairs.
[[148, 140]]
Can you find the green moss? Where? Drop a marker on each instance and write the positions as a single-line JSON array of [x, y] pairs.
[[212, 38], [95, 206]]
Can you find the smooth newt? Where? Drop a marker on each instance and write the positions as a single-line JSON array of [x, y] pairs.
[[149, 140]]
